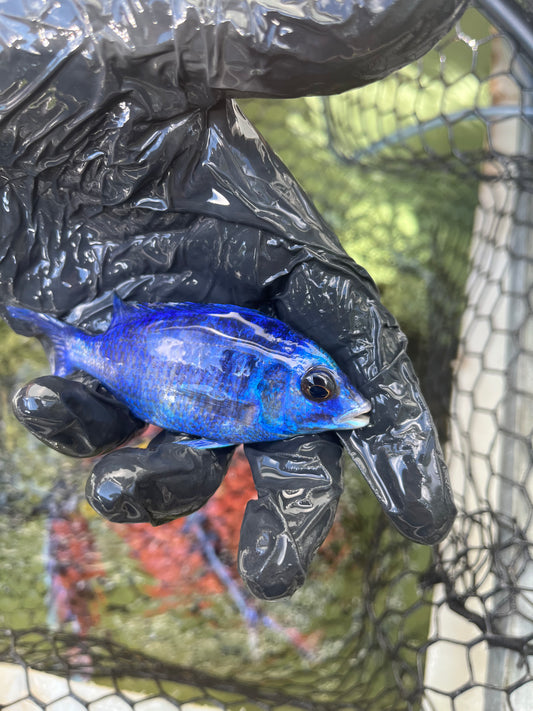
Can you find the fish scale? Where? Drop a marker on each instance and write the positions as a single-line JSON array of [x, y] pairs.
[[223, 373]]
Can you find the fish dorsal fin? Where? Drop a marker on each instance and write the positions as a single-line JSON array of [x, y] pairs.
[[125, 310], [122, 310]]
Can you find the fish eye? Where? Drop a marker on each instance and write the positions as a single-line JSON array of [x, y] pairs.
[[318, 385]]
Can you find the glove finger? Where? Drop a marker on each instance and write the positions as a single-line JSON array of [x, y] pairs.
[[299, 483], [76, 417], [402, 460], [157, 484], [398, 453]]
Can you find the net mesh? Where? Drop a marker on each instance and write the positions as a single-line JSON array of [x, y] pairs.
[[100, 617]]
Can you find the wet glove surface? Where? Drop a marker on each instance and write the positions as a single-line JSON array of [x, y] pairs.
[[125, 166]]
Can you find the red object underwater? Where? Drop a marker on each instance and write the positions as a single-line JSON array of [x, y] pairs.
[[171, 554]]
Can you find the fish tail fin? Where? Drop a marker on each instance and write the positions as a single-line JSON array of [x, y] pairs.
[[53, 334]]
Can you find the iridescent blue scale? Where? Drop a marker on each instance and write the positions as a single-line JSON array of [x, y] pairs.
[[223, 373]]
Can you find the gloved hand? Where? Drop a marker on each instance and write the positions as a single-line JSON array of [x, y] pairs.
[[126, 167]]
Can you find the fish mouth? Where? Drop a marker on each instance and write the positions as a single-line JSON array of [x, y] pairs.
[[353, 419]]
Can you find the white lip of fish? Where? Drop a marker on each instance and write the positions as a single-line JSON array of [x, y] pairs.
[[354, 418]]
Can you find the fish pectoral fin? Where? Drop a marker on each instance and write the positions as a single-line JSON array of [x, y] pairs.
[[204, 443]]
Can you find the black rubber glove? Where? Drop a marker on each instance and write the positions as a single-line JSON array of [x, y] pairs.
[[124, 167], [78, 417]]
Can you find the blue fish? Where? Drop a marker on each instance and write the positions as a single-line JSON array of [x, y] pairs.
[[224, 374]]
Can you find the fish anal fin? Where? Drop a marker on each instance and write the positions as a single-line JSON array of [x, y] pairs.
[[204, 443]]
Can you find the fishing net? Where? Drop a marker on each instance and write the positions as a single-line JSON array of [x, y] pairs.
[[429, 175]]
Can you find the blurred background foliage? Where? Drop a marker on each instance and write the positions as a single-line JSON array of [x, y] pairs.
[[411, 230]]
